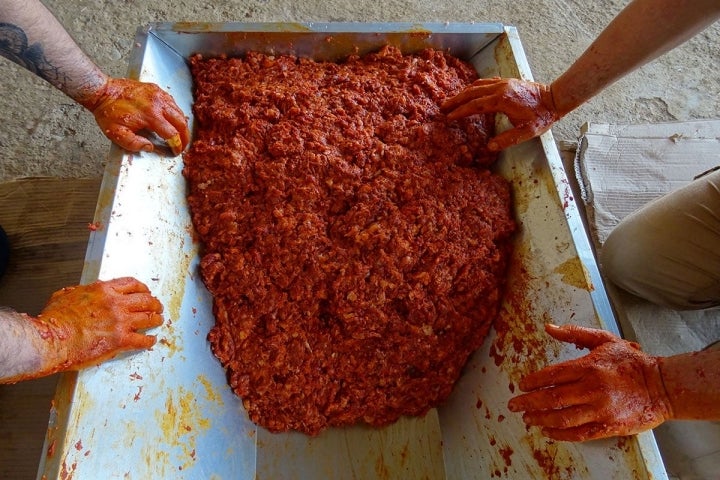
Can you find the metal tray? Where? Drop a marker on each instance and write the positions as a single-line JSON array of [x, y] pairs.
[[168, 412]]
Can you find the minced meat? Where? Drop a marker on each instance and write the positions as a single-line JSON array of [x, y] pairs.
[[354, 241]]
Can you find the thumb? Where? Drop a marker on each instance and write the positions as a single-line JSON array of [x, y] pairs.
[[124, 137], [513, 136], [582, 337]]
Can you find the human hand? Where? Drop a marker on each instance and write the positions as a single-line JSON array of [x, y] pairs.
[[614, 390], [123, 107], [88, 324], [528, 105]]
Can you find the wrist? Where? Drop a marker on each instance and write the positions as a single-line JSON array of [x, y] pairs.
[[556, 100], [692, 383], [657, 390], [54, 342], [93, 91]]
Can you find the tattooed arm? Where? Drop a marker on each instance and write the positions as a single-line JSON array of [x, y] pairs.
[[32, 37]]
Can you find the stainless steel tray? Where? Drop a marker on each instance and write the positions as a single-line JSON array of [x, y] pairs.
[[168, 413]]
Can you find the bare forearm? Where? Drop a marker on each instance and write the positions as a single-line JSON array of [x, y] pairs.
[[19, 353], [692, 384], [643, 31], [33, 38]]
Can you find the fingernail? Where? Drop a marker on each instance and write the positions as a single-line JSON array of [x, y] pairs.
[[493, 146], [174, 142]]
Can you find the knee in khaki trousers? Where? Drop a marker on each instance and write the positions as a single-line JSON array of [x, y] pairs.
[[668, 251]]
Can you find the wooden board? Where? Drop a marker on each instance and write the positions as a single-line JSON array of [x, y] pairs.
[[47, 222]]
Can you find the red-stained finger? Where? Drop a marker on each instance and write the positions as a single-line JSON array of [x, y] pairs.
[[489, 80], [479, 92], [162, 127], [138, 341], [512, 136], [582, 433], [553, 375], [127, 139], [570, 417], [492, 81], [143, 320], [582, 337], [141, 302], [154, 320], [127, 285], [129, 342], [551, 398], [474, 107], [177, 118], [167, 131]]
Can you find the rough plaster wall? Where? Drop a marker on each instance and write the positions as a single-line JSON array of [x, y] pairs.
[[46, 134]]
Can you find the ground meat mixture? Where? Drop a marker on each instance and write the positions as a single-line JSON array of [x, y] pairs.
[[354, 241]]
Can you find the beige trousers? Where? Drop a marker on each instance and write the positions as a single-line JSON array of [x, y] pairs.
[[668, 252]]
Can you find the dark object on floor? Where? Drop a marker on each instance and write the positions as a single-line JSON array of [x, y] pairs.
[[4, 251]]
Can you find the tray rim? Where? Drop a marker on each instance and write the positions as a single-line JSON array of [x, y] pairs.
[[159, 29]]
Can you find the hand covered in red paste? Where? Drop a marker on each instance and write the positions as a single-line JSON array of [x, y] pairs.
[[614, 390], [88, 324], [528, 105], [123, 107]]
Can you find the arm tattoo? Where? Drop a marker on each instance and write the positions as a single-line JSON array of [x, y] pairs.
[[14, 46]]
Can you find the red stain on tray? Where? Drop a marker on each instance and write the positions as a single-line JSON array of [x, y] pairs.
[[137, 395], [51, 449], [549, 464], [519, 347], [66, 473], [506, 453]]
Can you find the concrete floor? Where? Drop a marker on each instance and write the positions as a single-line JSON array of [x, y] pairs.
[[46, 134]]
